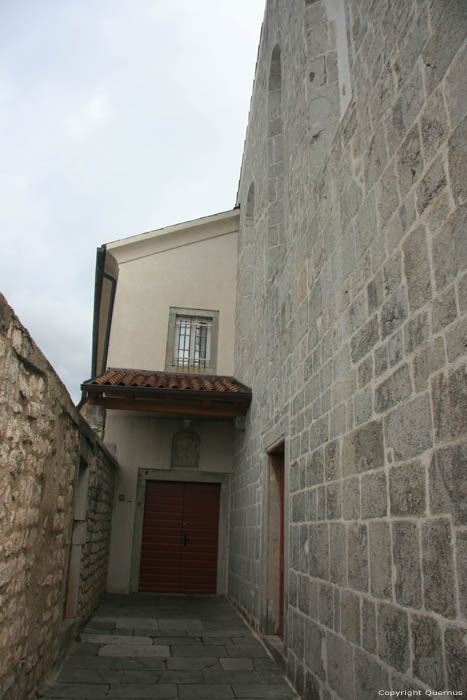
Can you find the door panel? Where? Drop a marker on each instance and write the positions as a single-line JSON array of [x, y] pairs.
[[180, 534]]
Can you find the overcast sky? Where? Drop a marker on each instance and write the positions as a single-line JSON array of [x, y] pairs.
[[116, 117]]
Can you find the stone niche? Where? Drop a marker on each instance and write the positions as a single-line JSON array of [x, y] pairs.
[[185, 450]]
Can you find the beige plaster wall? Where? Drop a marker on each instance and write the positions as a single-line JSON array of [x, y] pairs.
[[174, 269], [144, 441]]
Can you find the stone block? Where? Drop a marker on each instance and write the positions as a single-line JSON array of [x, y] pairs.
[[417, 268], [433, 182], [370, 676], [321, 503], [333, 501], [395, 348], [407, 489], [368, 625], [396, 388], [393, 637], [387, 195], [392, 273], [340, 666], [462, 294], [428, 662], [393, 313], [298, 507], [319, 432], [332, 460], [408, 104], [376, 158], [363, 406], [365, 372], [363, 449], [456, 158], [337, 554], [350, 616], [381, 359], [314, 648], [312, 687], [374, 495], [319, 550], [434, 127], [456, 658], [448, 482], [406, 557], [450, 248], [444, 310], [357, 556], [449, 396], [461, 559], [408, 428], [456, 340], [315, 469], [417, 332], [351, 499], [363, 341], [456, 99], [438, 567], [380, 560], [443, 44], [427, 361], [326, 605], [366, 224], [409, 161]]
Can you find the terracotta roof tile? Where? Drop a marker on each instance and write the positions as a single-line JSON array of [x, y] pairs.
[[165, 380]]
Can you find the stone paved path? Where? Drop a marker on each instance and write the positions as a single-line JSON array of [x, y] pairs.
[[185, 647]]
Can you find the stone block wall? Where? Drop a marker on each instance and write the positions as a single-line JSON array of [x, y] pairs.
[[40, 436], [355, 348]]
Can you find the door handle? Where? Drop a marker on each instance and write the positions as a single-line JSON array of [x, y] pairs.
[[186, 540]]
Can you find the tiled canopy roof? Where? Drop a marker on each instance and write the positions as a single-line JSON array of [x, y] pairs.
[[163, 380], [143, 390]]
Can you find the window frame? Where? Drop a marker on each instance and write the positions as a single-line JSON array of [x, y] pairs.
[[211, 363]]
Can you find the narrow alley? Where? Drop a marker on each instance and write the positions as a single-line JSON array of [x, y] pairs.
[[158, 646]]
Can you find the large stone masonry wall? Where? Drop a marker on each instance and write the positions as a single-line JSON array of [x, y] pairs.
[[356, 349], [40, 456]]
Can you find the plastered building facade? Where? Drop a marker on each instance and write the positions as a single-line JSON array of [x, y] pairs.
[[335, 298]]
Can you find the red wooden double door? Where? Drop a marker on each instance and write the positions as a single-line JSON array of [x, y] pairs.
[[180, 534]]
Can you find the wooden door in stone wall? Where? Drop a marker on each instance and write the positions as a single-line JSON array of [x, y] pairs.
[[180, 537]]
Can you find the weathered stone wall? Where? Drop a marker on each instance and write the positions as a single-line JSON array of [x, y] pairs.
[[355, 347], [98, 519], [39, 460]]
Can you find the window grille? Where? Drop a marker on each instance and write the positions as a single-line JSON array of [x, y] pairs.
[[192, 342]]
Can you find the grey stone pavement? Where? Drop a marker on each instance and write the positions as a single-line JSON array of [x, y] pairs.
[[161, 646]]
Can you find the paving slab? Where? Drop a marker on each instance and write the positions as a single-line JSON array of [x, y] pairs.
[[116, 639], [237, 664], [132, 650], [154, 690], [148, 646]]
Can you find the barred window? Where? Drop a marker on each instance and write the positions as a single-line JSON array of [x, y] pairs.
[[192, 345], [192, 341]]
